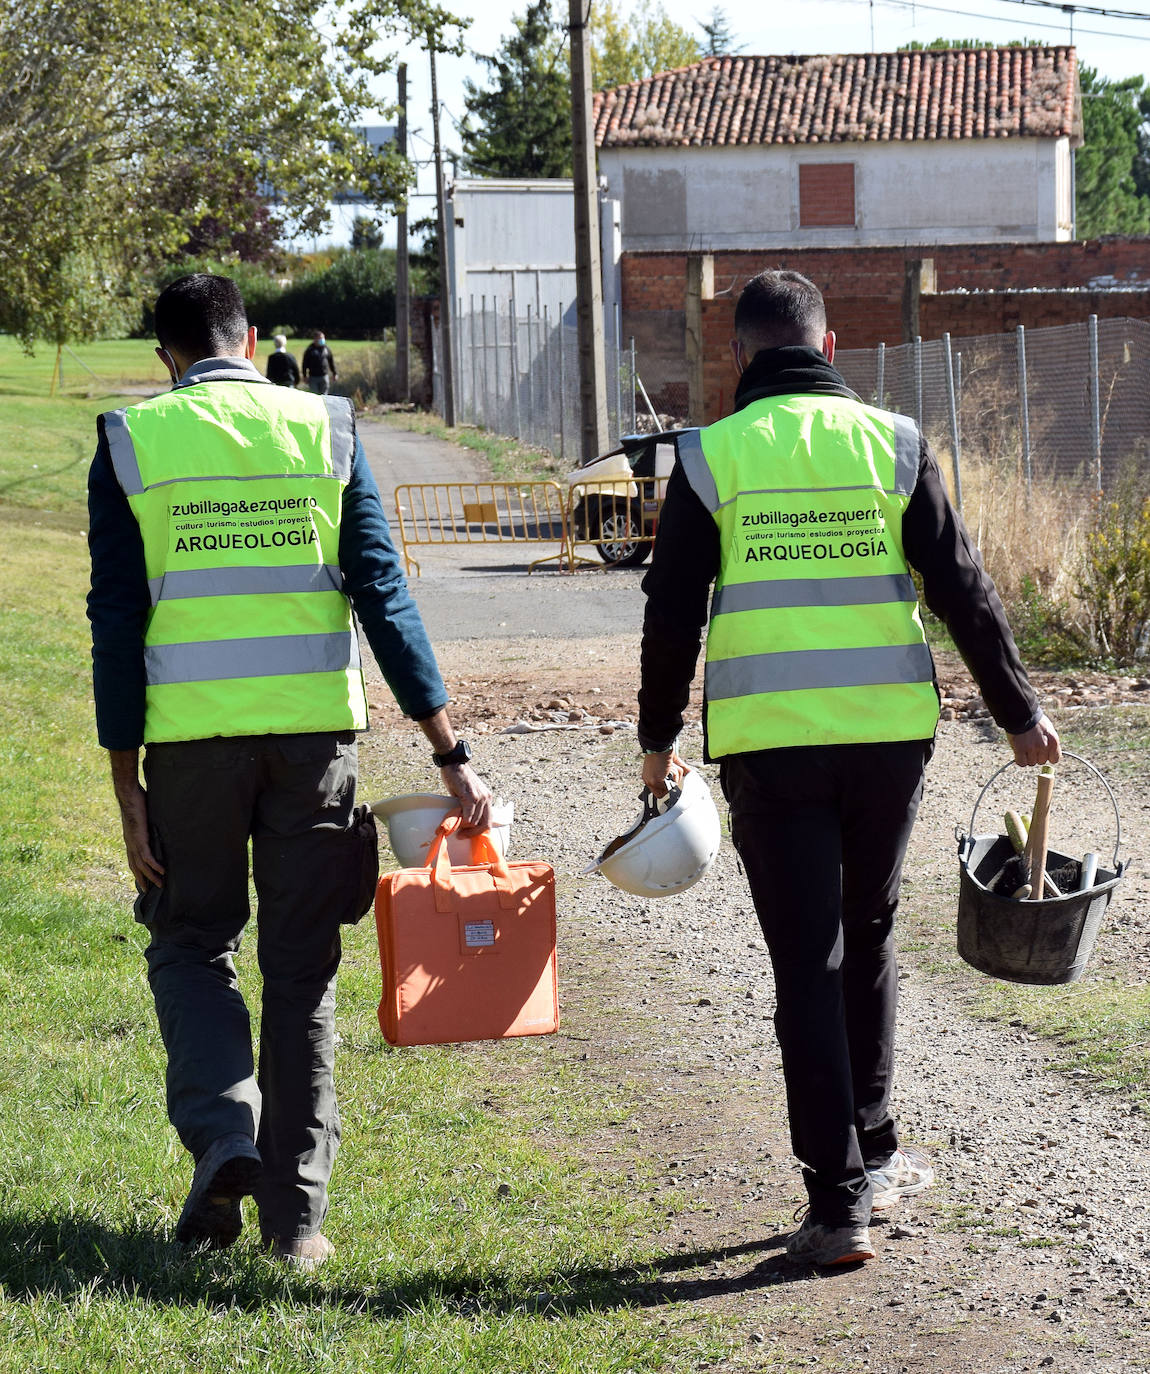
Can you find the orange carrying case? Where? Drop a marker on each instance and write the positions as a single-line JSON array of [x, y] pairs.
[[468, 953]]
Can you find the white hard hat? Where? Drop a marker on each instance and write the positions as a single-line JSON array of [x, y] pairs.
[[671, 845], [412, 821]]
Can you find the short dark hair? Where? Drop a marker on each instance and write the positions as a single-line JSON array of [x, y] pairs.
[[201, 316], [778, 308]]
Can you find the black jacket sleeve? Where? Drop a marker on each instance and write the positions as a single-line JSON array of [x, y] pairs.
[[959, 591], [684, 563]]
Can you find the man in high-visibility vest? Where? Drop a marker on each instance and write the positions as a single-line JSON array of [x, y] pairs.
[[807, 509], [233, 525]]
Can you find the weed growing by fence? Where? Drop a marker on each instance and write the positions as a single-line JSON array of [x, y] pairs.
[[1114, 571], [1030, 539], [373, 376]]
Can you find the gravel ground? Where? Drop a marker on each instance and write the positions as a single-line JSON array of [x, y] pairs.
[[1033, 1249]]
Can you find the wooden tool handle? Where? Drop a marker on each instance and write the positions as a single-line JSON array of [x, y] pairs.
[[1039, 831]]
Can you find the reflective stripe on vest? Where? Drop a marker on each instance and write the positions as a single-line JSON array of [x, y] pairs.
[[815, 636], [245, 581], [237, 488]]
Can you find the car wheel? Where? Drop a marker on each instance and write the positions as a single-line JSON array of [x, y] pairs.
[[618, 543]]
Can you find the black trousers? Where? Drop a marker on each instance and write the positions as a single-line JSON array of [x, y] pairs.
[[822, 832]]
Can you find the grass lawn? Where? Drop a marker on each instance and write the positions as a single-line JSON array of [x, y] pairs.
[[474, 1232], [47, 442]]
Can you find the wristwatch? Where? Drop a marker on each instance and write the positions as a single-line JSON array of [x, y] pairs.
[[459, 754]]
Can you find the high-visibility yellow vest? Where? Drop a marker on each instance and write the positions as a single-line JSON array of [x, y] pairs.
[[815, 635], [238, 488]]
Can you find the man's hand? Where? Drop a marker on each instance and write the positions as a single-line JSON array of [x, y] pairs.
[[460, 779], [657, 768], [133, 804], [1039, 744], [473, 795]]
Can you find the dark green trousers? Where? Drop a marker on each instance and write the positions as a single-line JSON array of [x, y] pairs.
[[291, 797]]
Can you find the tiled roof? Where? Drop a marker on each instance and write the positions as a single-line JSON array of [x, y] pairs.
[[934, 94]]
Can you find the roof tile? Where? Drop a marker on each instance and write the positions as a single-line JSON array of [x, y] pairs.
[[943, 93]]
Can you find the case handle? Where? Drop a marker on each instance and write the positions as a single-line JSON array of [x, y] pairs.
[[483, 854]]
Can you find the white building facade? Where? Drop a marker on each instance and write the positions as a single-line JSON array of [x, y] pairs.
[[870, 149]]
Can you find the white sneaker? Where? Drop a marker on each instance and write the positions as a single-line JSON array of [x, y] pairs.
[[906, 1172], [829, 1245]]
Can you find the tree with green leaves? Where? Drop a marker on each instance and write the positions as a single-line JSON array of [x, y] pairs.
[[520, 124], [1112, 168], [719, 41], [970, 44], [1107, 168], [104, 104], [629, 47]]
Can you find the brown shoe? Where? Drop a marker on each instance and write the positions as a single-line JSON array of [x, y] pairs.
[[308, 1253]]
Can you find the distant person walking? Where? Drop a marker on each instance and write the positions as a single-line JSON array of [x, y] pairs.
[[318, 364], [282, 366]]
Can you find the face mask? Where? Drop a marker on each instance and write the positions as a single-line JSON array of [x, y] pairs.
[[172, 365]]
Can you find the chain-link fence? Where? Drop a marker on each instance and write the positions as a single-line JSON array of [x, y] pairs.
[[517, 373], [1070, 403]]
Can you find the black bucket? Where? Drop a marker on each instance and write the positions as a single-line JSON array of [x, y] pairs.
[[1045, 942]]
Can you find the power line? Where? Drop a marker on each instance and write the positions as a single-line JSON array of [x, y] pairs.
[[999, 19], [1081, 9]]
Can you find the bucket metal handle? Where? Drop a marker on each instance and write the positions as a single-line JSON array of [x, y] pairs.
[[1066, 755]]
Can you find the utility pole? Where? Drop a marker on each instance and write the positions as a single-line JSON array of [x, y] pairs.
[[588, 274], [402, 278], [446, 362]]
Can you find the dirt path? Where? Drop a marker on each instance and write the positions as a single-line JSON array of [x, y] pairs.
[[1033, 1250]]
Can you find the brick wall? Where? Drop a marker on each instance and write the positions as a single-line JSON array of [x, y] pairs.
[[981, 289]]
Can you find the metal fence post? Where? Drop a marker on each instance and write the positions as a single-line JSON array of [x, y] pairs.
[[880, 376], [530, 370], [1024, 404], [499, 408], [549, 390], [474, 365], [958, 393], [562, 387], [457, 346], [634, 374], [515, 360], [1095, 403], [954, 441], [618, 373], [486, 370], [918, 380]]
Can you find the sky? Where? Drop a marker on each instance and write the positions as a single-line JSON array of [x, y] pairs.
[[1117, 46]]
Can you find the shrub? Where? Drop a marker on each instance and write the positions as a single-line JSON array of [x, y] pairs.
[[353, 298], [261, 291], [1114, 572], [372, 378], [1044, 628]]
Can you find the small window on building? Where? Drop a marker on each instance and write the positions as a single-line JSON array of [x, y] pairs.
[[826, 194]]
